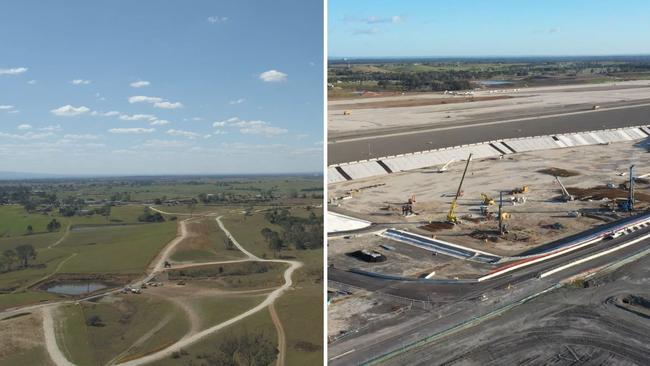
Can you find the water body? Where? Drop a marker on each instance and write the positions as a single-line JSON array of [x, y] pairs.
[[494, 82], [76, 288]]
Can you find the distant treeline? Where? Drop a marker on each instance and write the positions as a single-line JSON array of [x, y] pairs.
[[459, 76]]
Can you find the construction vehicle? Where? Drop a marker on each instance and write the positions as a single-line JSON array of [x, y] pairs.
[[451, 215], [519, 190], [487, 200], [566, 196]]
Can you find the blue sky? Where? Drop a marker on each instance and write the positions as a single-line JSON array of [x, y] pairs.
[[380, 28], [161, 87]]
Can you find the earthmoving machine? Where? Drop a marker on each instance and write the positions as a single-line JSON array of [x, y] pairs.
[[451, 216], [566, 196], [520, 190], [487, 200], [503, 216]]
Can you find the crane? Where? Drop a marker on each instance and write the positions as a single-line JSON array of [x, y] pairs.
[[566, 196], [451, 216]]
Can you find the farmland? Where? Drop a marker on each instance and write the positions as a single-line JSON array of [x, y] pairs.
[[145, 268]]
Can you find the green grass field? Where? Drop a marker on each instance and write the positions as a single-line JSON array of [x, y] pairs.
[[259, 323], [235, 276], [209, 245], [94, 245], [132, 325], [215, 310]]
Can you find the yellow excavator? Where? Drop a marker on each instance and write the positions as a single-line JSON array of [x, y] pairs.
[[451, 216], [487, 200]]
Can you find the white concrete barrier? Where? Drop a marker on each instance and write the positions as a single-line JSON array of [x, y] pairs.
[[430, 158]]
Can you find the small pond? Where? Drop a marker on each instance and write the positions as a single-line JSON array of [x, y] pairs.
[[494, 82], [75, 288]]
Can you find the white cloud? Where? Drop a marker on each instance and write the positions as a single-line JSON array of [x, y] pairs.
[[51, 128], [219, 124], [140, 84], [237, 101], [207, 136], [81, 137], [31, 82], [156, 101], [13, 71], [302, 136], [259, 128], [165, 144], [111, 114], [273, 76], [70, 111], [79, 82], [136, 130], [168, 105], [374, 19], [219, 132], [144, 99], [188, 134], [217, 19], [24, 126], [160, 122], [197, 119], [138, 117], [6, 107], [26, 136]]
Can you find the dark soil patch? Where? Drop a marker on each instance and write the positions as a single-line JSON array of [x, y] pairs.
[[437, 226], [558, 172], [307, 347]]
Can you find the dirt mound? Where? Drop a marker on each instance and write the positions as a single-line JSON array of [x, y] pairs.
[[437, 226]]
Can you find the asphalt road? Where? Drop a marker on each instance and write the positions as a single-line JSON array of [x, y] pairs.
[[363, 347], [420, 138]]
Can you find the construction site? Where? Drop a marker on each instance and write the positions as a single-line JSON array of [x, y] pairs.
[[429, 239]]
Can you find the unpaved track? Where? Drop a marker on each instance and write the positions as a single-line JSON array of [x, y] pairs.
[[50, 338], [62, 238], [282, 339], [190, 339]]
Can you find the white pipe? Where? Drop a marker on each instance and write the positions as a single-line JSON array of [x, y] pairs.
[[583, 260]]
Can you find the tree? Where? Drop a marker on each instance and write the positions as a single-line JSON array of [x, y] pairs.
[[25, 252], [53, 225], [229, 244], [30, 230], [10, 257], [192, 205], [95, 321], [106, 211], [267, 233], [276, 243]]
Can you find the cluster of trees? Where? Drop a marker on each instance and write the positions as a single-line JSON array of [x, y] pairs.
[[299, 232], [53, 225], [459, 76], [151, 216], [121, 196], [237, 350], [17, 258]]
